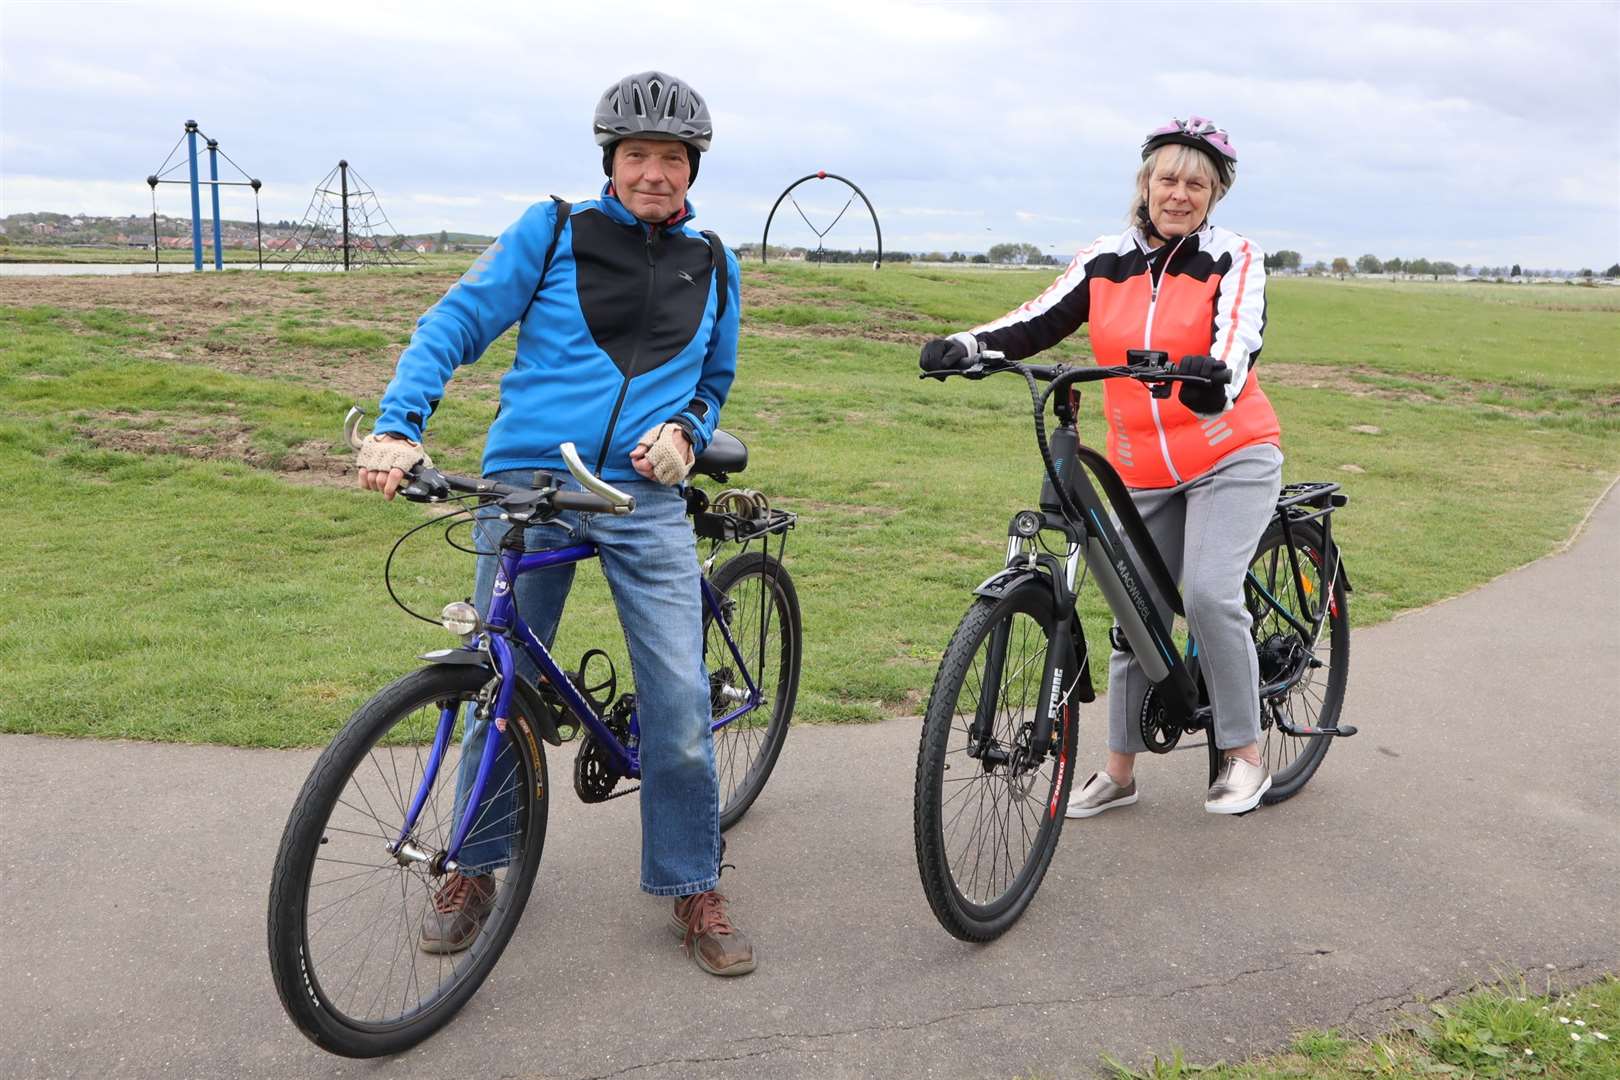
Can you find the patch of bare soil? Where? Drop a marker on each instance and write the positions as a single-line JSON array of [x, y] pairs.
[[768, 292], [220, 438], [1387, 386], [230, 321], [863, 331]]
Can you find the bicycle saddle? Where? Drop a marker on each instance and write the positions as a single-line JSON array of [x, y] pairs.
[[725, 454]]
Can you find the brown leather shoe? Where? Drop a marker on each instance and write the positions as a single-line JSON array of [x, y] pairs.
[[718, 947], [457, 914]]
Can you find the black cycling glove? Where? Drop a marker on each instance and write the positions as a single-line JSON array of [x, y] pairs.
[[944, 354], [1199, 397]]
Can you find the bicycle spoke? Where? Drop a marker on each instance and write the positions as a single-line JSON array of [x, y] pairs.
[[356, 952]]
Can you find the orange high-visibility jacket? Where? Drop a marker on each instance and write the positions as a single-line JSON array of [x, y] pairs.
[[1202, 295]]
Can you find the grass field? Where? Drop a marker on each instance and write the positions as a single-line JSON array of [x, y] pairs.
[[184, 560]]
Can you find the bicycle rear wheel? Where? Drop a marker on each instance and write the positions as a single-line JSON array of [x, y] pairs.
[[761, 609], [345, 914], [1314, 667], [987, 814]]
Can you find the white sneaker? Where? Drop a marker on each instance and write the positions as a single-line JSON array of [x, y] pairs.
[[1237, 787], [1098, 794]]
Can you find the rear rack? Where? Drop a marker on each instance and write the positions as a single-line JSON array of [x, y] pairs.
[[1310, 500], [712, 525]]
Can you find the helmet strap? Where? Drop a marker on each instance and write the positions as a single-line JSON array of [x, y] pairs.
[[1145, 221]]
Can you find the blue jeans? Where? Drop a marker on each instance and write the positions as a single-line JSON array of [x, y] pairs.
[[649, 558]]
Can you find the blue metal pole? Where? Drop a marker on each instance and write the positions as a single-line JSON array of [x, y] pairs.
[[196, 202], [213, 174]]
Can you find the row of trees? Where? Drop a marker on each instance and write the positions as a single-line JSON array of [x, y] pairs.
[[1372, 264], [1020, 255], [827, 255]]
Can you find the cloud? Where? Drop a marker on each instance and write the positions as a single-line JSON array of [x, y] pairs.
[[1361, 125], [1030, 217], [446, 200]]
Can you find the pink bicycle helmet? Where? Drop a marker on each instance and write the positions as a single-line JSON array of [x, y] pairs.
[[1199, 133]]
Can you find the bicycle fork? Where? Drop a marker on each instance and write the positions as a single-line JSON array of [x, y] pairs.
[[497, 710], [1064, 675]]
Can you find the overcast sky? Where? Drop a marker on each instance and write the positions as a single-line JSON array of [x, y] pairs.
[[1480, 133]]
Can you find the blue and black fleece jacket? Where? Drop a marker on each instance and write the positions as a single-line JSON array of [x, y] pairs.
[[621, 336]]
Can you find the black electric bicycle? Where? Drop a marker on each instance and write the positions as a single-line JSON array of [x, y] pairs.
[[998, 740]]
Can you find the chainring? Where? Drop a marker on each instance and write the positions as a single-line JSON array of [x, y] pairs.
[[594, 773], [1159, 734]]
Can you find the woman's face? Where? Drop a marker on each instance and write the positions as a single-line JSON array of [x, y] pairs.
[[1177, 203]]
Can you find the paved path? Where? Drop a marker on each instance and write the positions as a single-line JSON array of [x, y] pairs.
[[1472, 826]]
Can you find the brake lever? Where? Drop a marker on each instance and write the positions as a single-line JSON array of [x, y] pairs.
[[427, 484]]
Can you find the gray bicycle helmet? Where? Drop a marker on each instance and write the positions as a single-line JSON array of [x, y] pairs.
[[652, 105]]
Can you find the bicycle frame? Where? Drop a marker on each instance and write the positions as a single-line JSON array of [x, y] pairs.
[[1119, 576], [1123, 579], [503, 627]]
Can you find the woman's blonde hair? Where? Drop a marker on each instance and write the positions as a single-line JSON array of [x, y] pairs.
[[1174, 160]]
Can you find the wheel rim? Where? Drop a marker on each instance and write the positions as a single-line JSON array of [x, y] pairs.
[[363, 911], [757, 616], [1309, 702], [994, 819]]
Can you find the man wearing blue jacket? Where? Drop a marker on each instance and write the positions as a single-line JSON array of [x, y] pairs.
[[626, 348]]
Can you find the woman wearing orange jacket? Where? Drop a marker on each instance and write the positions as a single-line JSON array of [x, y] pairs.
[[1204, 468]]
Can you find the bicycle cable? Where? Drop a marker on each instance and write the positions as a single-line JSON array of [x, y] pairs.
[[458, 520], [388, 564], [1071, 512]]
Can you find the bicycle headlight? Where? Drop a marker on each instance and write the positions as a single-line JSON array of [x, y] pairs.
[[460, 618]]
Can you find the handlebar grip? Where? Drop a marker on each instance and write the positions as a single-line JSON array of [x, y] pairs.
[[583, 501], [1222, 376]]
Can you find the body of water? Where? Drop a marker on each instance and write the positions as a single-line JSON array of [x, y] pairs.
[[58, 269]]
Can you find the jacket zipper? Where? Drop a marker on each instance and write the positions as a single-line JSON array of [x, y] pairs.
[[1147, 343], [635, 357]]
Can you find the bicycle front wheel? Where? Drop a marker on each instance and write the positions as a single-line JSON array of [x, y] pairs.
[[346, 915], [1308, 664], [988, 806], [760, 608]]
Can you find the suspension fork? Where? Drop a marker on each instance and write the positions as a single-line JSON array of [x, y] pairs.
[[1061, 671]]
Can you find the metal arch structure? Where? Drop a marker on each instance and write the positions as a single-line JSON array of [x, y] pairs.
[[787, 193]]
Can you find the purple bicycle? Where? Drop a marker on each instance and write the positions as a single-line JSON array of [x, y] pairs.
[[443, 774]]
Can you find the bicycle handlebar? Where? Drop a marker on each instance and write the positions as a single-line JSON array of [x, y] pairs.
[[1149, 367], [427, 484]]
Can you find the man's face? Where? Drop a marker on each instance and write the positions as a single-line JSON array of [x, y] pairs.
[[651, 176]]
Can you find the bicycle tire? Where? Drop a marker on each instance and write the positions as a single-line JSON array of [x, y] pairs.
[[966, 906], [336, 820], [1318, 696], [763, 611]]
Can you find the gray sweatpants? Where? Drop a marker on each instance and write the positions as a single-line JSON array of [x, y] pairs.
[[1207, 530]]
